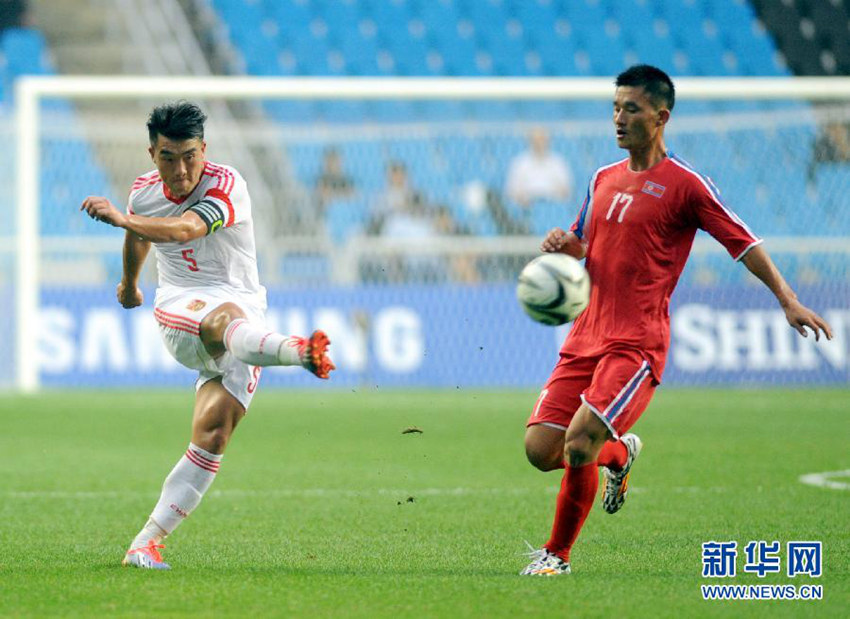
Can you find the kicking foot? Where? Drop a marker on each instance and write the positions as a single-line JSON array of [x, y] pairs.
[[146, 557], [617, 482], [544, 563], [313, 353]]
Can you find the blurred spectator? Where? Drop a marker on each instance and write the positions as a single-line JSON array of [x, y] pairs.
[[396, 197], [445, 222], [411, 220], [833, 143], [404, 216], [538, 173], [333, 183], [14, 14]]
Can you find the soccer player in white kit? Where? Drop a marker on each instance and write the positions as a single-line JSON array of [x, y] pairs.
[[209, 304]]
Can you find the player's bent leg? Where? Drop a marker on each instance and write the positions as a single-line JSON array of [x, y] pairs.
[[631, 380], [216, 415], [227, 328], [544, 447], [215, 324], [584, 438], [583, 441]]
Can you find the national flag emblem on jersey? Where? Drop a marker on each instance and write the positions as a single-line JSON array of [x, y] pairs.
[[653, 189]]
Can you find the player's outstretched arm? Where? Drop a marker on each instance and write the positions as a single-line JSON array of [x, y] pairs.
[[758, 261], [564, 242], [183, 229], [135, 251]]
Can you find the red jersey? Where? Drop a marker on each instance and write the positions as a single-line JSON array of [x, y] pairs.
[[639, 227]]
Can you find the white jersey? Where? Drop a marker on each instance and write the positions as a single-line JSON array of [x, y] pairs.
[[224, 259]]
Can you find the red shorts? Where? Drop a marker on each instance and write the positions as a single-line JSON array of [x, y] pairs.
[[616, 386]]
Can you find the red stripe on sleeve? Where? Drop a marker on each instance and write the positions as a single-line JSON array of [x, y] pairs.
[[217, 193]]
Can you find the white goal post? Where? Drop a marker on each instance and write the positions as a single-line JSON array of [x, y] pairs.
[[30, 92]]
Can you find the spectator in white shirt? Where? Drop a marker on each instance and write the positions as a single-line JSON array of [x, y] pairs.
[[538, 174]]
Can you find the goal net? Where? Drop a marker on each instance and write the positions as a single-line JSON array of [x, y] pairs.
[[383, 216]]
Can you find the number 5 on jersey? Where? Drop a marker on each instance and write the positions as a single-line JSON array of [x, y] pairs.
[[187, 256], [624, 199]]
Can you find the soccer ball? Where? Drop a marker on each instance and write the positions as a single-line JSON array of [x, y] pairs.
[[553, 289]]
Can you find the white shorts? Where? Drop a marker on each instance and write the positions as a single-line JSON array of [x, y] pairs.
[[179, 315]]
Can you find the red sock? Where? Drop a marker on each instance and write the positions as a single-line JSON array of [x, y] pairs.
[[613, 455], [578, 490]]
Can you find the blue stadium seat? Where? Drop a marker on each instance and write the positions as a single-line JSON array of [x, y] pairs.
[[442, 110], [607, 53], [360, 53], [530, 37], [311, 53], [25, 52], [547, 215], [683, 18], [306, 160], [756, 51], [729, 16], [831, 180], [706, 55], [543, 110], [585, 16], [658, 51], [309, 269], [345, 218], [508, 53], [391, 15], [343, 111], [291, 111], [70, 170], [364, 162], [485, 15], [342, 16], [630, 13], [291, 16], [439, 15], [690, 107]]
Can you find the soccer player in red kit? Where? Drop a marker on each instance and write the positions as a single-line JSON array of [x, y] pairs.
[[635, 229]]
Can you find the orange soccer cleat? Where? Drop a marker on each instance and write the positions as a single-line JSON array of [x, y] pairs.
[[313, 353], [146, 557]]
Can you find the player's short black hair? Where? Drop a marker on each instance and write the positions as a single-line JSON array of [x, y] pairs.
[[653, 80], [180, 120]]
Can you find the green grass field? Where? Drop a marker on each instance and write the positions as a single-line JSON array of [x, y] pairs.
[[324, 508]]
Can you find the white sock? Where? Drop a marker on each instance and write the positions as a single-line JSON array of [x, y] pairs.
[[256, 345], [182, 491]]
